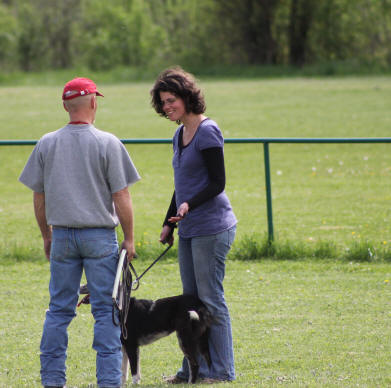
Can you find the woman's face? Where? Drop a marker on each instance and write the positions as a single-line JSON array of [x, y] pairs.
[[173, 106]]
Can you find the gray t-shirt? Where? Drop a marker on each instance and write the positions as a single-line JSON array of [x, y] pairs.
[[79, 167]]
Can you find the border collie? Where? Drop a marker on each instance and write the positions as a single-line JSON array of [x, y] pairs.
[[149, 320]]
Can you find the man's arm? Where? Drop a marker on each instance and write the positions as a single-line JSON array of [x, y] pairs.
[[124, 209], [40, 215]]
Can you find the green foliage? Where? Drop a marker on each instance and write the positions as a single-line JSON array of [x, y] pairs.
[[325, 249], [255, 248], [151, 34], [8, 38], [32, 42], [361, 251], [251, 248], [116, 33]]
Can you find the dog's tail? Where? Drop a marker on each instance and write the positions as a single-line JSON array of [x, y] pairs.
[[202, 314], [194, 315], [201, 319]]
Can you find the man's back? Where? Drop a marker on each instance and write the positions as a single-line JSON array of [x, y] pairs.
[[79, 167]]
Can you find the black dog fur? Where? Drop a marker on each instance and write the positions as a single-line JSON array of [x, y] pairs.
[[148, 321]]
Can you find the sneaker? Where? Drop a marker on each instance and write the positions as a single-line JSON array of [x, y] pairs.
[[174, 380]]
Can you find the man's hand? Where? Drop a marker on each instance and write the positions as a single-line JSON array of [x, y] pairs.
[[129, 248]]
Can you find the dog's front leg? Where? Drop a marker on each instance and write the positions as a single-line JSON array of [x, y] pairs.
[[134, 361], [125, 367]]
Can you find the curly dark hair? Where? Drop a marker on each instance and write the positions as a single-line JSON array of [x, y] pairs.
[[181, 84]]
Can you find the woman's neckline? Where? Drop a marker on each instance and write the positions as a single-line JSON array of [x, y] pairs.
[[194, 134]]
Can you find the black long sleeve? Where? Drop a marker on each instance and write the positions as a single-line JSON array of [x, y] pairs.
[[214, 161], [171, 212]]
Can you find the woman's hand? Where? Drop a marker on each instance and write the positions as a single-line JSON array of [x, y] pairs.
[[167, 235], [181, 213]]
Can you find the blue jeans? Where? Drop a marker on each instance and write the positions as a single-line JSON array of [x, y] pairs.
[[202, 269], [95, 250]]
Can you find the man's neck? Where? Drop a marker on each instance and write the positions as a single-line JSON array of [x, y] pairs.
[[80, 118]]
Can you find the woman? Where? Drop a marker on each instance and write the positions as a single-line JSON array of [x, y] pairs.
[[200, 207]]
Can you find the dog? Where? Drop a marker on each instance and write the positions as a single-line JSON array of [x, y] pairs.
[[148, 320]]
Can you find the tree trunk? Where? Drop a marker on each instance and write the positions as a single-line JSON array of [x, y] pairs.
[[300, 21]]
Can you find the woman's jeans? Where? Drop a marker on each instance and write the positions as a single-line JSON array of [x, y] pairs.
[[95, 250], [202, 269]]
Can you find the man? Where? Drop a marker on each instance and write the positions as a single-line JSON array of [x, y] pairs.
[[80, 177]]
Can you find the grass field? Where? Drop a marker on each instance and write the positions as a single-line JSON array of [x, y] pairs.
[[298, 323], [320, 192]]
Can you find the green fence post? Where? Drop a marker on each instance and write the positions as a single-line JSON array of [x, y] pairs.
[[268, 192]]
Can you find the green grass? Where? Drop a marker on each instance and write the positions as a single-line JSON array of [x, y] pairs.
[[300, 324], [255, 248], [301, 320], [334, 192]]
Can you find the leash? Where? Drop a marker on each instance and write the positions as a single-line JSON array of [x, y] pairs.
[[123, 286], [136, 282]]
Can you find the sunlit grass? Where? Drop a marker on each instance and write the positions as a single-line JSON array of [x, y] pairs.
[[298, 323], [311, 309], [320, 192]]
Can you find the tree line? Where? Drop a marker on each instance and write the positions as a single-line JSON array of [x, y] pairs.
[[37, 35]]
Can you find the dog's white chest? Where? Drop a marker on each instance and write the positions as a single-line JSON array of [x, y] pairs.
[[148, 339]]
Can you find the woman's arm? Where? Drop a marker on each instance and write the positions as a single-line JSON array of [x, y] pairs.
[[214, 160], [171, 212], [166, 235]]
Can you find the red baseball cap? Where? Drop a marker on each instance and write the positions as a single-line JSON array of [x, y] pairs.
[[79, 87]]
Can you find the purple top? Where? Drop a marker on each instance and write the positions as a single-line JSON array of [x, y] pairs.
[[191, 176]]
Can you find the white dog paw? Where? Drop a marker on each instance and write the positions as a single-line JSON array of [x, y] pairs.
[[136, 379]]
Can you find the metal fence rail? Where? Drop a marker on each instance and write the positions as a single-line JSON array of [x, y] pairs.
[[265, 141]]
